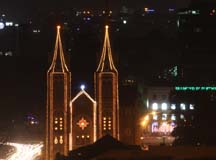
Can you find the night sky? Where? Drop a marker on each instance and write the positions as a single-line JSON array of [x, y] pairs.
[[20, 8]]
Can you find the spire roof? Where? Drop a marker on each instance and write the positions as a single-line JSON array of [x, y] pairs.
[[106, 61], [58, 62]]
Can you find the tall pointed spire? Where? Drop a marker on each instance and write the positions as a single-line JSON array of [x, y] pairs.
[[106, 61], [58, 62], [57, 109], [106, 92]]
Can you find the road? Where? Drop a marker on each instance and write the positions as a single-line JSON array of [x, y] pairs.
[[25, 151]]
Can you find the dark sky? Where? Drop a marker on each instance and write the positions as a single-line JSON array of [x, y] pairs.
[[17, 8]]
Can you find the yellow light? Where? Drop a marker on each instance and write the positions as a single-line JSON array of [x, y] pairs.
[[143, 123], [153, 113], [61, 118], [83, 136], [56, 128], [56, 122], [106, 26], [58, 27], [146, 9], [146, 118]]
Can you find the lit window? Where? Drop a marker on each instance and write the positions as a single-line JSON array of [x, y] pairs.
[[181, 116], [61, 140], [61, 128], [56, 128], [56, 122], [56, 118], [155, 117], [104, 118], [164, 106], [182, 106], [109, 128], [109, 118], [56, 140], [83, 136], [88, 136], [173, 106], [61, 118], [173, 117], [109, 121], [104, 128], [77, 136], [191, 107], [155, 106], [164, 116], [109, 125]]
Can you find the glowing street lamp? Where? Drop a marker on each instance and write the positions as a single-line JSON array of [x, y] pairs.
[[145, 121]]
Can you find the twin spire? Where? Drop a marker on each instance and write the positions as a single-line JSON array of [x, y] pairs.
[[106, 63], [58, 62]]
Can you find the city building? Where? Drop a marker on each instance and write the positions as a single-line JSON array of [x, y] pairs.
[[163, 113]]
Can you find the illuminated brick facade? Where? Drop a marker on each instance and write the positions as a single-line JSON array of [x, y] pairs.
[[106, 92], [83, 120], [86, 119], [58, 97]]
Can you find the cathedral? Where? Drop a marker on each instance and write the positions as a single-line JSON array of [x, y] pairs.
[[72, 122]]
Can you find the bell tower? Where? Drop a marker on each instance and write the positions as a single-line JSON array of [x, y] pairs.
[[106, 92], [57, 109]]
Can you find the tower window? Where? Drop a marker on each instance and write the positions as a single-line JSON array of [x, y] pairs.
[[61, 140], [56, 140]]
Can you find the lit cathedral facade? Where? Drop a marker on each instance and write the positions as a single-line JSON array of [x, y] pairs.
[[78, 121]]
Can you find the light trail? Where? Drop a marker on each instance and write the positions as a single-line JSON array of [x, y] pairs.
[[25, 151]]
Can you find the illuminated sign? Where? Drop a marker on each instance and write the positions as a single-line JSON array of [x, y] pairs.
[[195, 88]]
